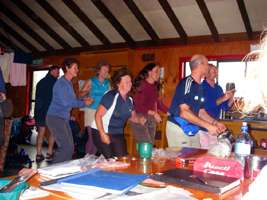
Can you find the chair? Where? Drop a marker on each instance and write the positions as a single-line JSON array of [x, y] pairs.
[[160, 137], [129, 139]]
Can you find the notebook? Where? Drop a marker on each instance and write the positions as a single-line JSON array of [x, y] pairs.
[[188, 155], [188, 152], [111, 182], [198, 180]]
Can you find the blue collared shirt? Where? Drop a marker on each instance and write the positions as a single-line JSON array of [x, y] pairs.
[[187, 92], [211, 94], [2, 82], [64, 99]]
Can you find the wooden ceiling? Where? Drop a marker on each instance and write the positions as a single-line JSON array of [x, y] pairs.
[[49, 27]]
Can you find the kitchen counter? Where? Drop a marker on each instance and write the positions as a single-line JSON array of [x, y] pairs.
[[257, 129]]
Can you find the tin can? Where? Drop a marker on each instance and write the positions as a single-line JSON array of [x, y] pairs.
[[263, 143], [252, 166]]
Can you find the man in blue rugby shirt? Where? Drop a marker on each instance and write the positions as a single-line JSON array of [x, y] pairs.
[[2, 98], [215, 99], [187, 113]]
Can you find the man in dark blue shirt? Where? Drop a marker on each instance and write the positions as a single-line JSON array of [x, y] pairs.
[[43, 97], [215, 99], [2, 98], [187, 113]]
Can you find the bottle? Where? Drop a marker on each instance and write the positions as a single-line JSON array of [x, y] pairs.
[[243, 145]]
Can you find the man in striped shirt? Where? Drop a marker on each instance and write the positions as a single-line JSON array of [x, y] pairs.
[[188, 120]]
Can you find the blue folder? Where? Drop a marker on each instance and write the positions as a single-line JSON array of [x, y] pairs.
[[111, 182]]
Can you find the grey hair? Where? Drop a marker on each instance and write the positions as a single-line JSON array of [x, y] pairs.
[[195, 61]]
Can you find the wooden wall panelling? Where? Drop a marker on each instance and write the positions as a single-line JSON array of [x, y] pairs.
[[88, 61]]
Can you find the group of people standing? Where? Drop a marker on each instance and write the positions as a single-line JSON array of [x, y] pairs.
[[109, 104]]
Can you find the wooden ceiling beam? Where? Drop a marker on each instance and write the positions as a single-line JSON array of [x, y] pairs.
[[87, 22], [55, 15], [150, 43], [18, 37], [34, 17], [115, 23], [14, 18], [9, 43], [142, 20], [173, 18], [206, 14], [245, 18]]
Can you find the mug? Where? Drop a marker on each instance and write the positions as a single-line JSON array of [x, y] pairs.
[[145, 150]]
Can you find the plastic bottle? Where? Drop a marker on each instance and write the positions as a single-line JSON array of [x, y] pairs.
[[243, 145]]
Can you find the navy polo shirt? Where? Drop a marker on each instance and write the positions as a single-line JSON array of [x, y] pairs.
[[118, 112], [187, 92], [211, 95]]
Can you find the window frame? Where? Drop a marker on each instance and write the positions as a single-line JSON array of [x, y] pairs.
[[218, 58]]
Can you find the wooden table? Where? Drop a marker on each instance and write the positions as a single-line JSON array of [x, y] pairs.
[[155, 166]]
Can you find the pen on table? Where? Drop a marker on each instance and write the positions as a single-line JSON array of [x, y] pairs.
[[201, 180]]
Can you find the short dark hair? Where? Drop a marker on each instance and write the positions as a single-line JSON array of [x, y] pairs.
[[68, 62], [100, 64], [118, 74], [52, 67]]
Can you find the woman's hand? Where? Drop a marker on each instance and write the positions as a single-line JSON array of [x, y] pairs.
[[88, 100], [157, 117], [105, 138], [142, 120]]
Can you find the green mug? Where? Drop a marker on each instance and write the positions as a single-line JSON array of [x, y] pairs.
[[145, 150]]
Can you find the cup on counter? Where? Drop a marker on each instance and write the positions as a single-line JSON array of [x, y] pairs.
[[252, 166], [145, 166], [145, 150]]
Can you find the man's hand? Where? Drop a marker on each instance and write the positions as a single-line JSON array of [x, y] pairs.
[[229, 95], [213, 130], [221, 126], [216, 128]]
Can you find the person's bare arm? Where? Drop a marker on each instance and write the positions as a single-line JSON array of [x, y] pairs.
[[99, 124], [205, 116], [85, 88], [229, 95], [137, 119], [186, 113]]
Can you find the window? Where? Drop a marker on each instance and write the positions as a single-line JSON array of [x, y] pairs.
[[37, 75]]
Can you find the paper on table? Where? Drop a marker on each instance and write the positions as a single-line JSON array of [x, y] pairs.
[[57, 170], [33, 193], [76, 193], [168, 193]]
